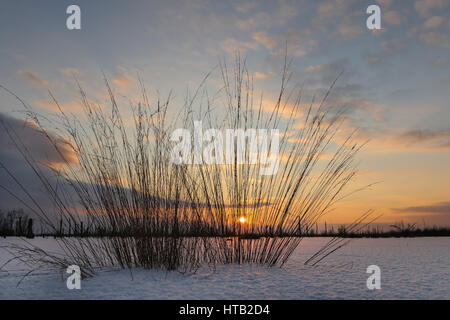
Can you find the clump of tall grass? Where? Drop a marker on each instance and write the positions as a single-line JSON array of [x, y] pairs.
[[142, 210]]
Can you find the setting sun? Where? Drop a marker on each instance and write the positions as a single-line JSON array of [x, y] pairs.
[[242, 220]]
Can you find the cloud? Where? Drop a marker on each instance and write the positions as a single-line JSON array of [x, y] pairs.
[[328, 9], [232, 45], [265, 39], [432, 139], [440, 207], [280, 16], [262, 75], [299, 42], [388, 48], [43, 153], [70, 72], [286, 108], [385, 3], [244, 7], [35, 141], [435, 38], [424, 7], [324, 74], [372, 58], [393, 46], [32, 78], [122, 80], [258, 20], [393, 18], [70, 107], [340, 18], [45, 157], [434, 22], [367, 114], [316, 68], [439, 62], [348, 93], [349, 31], [285, 12], [384, 140], [434, 31]]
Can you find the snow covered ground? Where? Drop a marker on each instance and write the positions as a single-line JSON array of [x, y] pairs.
[[417, 268]]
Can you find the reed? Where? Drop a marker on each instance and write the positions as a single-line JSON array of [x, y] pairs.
[[147, 211]]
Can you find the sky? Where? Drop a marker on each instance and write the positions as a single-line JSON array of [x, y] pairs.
[[395, 81]]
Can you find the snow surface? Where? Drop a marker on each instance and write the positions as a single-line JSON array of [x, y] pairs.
[[414, 268]]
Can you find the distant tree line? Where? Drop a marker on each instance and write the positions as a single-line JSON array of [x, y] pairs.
[[15, 223]]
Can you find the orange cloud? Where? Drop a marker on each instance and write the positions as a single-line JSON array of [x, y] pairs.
[[349, 31], [423, 7], [33, 78], [440, 207], [49, 105], [232, 45], [265, 39], [393, 17], [434, 22], [122, 80], [436, 38]]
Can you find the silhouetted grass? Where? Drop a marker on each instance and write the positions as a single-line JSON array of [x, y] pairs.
[[125, 203]]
